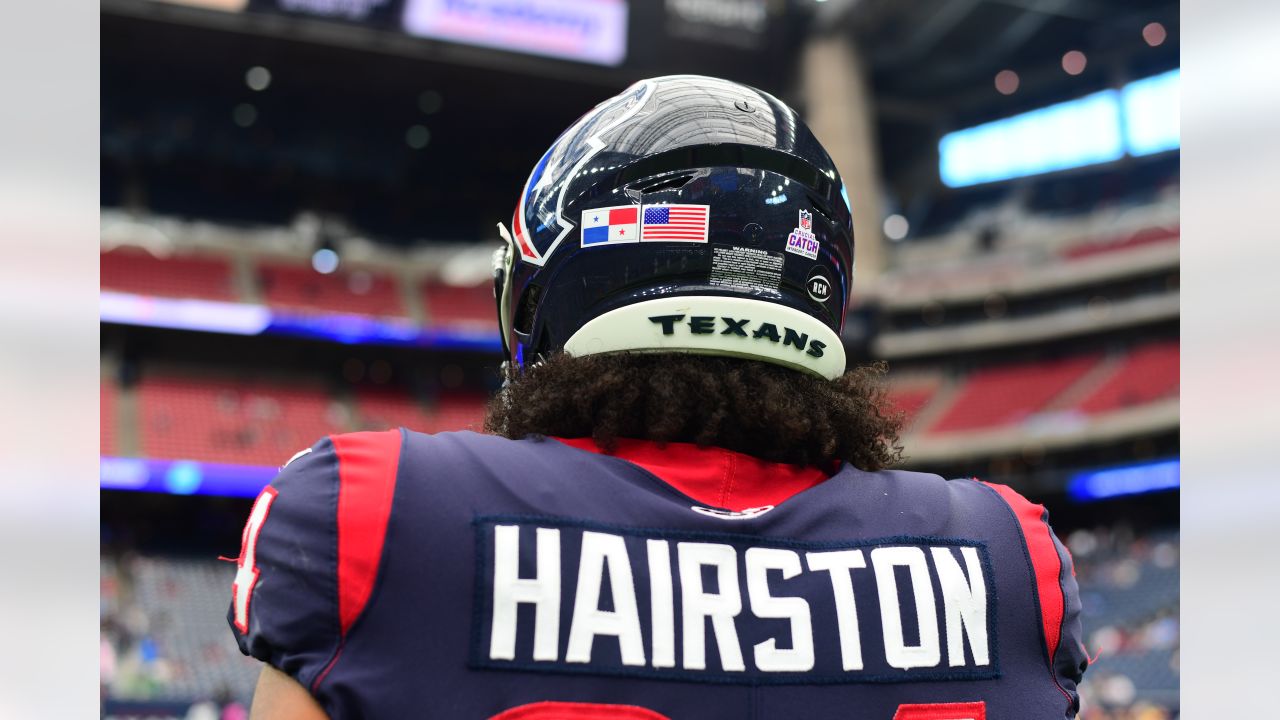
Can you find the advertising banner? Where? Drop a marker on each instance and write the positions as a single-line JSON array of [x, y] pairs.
[[591, 31]]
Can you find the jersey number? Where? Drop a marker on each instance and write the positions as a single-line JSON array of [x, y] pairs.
[[593, 711], [247, 565]]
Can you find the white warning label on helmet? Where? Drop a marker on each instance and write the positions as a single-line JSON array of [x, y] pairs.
[[745, 268]]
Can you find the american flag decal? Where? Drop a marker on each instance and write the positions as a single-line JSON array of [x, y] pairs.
[[675, 223]]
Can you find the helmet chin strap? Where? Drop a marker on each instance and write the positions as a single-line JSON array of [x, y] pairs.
[[504, 260], [503, 264]]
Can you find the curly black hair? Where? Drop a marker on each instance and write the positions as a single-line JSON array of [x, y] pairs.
[[757, 408]]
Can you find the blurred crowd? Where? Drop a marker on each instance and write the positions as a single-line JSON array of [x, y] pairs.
[[139, 658], [1129, 589]]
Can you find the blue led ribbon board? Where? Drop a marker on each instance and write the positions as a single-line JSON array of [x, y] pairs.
[[244, 319], [183, 477], [1125, 480]]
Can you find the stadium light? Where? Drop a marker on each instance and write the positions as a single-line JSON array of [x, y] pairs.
[[896, 227], [1154, 34], [1140, 119], [1074, 62], [1151, 109], [417, 137], [1006, 82], [1066, 135], [430, 102], [325, 261], [257, 78], [244, 115]]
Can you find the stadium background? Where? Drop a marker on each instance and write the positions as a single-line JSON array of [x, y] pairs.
[[298, 206]]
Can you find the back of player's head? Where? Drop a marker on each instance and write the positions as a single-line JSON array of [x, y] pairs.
[[686, 214]]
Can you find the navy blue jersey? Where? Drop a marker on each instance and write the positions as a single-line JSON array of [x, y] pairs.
[[458, 575]]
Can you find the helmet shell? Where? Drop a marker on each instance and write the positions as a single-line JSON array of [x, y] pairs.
[[777, 230]]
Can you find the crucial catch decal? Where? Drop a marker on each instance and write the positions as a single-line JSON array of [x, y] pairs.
[[560, 595]]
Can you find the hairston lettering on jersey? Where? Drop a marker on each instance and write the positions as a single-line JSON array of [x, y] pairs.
[[559, 595]]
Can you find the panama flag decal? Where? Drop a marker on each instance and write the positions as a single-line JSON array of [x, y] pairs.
[[610, 226]]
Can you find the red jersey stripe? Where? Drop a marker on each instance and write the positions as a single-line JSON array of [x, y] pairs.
[[1044, 560], [367, 464]]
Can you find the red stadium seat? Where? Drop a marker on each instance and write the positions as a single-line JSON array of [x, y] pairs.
[[910, 399], [381, 409], [361, 292], [107, 417], [1005, 395], [1148, 374], [458, 411], [219, 420], [459, 305], [137, 271], [1149, 236]]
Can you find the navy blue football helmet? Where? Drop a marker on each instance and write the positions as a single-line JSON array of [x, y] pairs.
[[686, 214]]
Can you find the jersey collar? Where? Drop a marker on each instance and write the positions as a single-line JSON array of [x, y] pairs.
[[713, 476]]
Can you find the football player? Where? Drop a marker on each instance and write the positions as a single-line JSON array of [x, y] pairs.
[[683, 506]]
